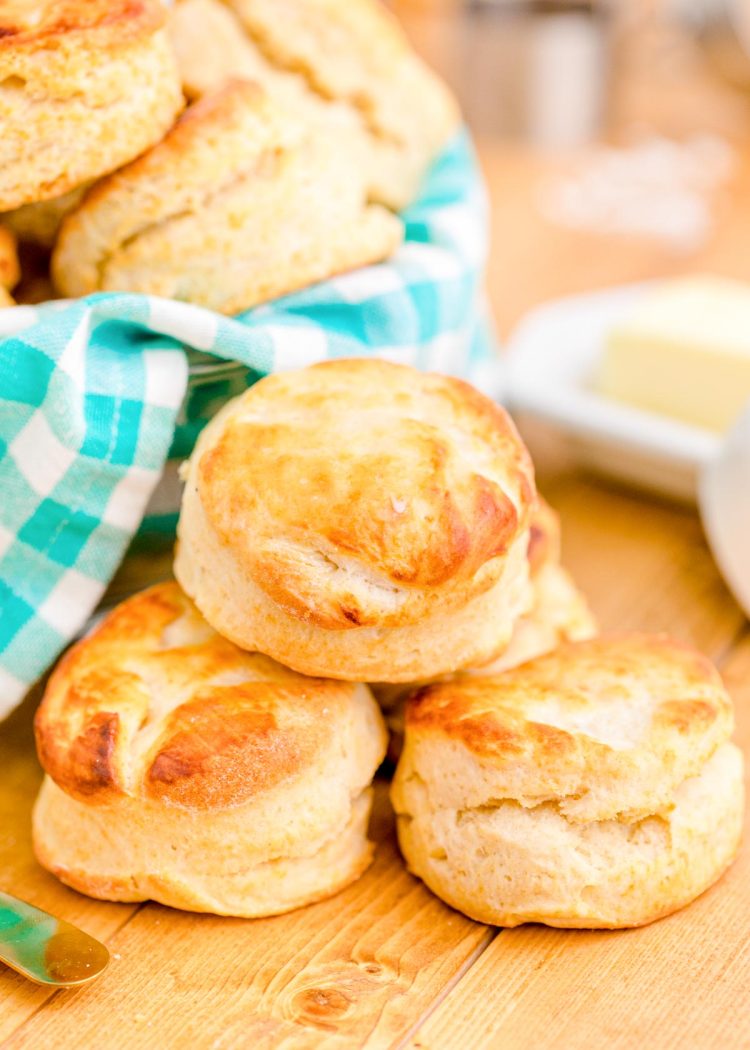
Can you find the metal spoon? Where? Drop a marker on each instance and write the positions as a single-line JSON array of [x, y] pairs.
[[45, 949]]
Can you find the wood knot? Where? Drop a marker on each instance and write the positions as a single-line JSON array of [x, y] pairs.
[[342, 998], [321, 1007]]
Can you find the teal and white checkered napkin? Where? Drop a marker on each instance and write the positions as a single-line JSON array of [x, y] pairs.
[[90, 391]]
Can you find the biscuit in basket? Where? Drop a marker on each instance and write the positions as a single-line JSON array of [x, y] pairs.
[[186, 771], [239, 204], [10, 271], [360, 520], [595, 786], [84, 87], [39, 223], [347, 67], [211, 47]]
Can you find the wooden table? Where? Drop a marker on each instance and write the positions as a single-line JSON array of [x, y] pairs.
[[385, 964]]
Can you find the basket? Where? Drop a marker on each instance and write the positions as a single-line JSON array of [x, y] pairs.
[[101, 398]]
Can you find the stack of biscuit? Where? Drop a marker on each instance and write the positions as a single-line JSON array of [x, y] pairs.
[[353, 520], [307, 129], [362, 521]]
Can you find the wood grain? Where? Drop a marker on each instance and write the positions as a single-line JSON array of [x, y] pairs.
[[22, 876], [682, 982], [534, 259], [362, 969], [357, 970], [644, 565]]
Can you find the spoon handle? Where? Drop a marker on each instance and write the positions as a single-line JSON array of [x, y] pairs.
[[45, 949]]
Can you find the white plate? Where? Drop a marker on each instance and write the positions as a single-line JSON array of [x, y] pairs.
[[725, 509], [552, 361]]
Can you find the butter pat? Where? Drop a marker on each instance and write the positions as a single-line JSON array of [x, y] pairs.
[[684, 352]]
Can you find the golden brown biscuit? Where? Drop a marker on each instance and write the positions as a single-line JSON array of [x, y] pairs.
[[10, 271], [182, 769], [39, 223], [238, 204], [84, 87], [594, 787], [361, 520], [544, 536], [212, 47], [346, 67], [559, 613]]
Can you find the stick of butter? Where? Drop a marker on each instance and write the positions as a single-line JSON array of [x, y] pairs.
[[684, 352]]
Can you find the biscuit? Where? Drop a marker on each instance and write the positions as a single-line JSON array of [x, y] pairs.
[[182, 770], [39, 223], [592, 787], [559, 613], [10, 271], [84, 88], [346, 67], [239, 204], [212, 47], [360, 520]]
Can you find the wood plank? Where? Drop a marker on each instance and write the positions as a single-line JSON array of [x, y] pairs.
[[681, 982], [362, 969], [534, 259], [643, 564], [357, 970], [22, 876]]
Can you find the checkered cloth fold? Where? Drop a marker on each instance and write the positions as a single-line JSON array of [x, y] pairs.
[[90, 392]]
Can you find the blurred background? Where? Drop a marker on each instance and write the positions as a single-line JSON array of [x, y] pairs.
[[614, 135]]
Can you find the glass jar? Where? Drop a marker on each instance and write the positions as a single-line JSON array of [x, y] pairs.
[[211, 383]]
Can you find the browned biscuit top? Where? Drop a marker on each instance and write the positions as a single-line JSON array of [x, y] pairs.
[[597, 725], [30, 24], [155, 703], [343, 485], [611, 692], [236, 114]]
